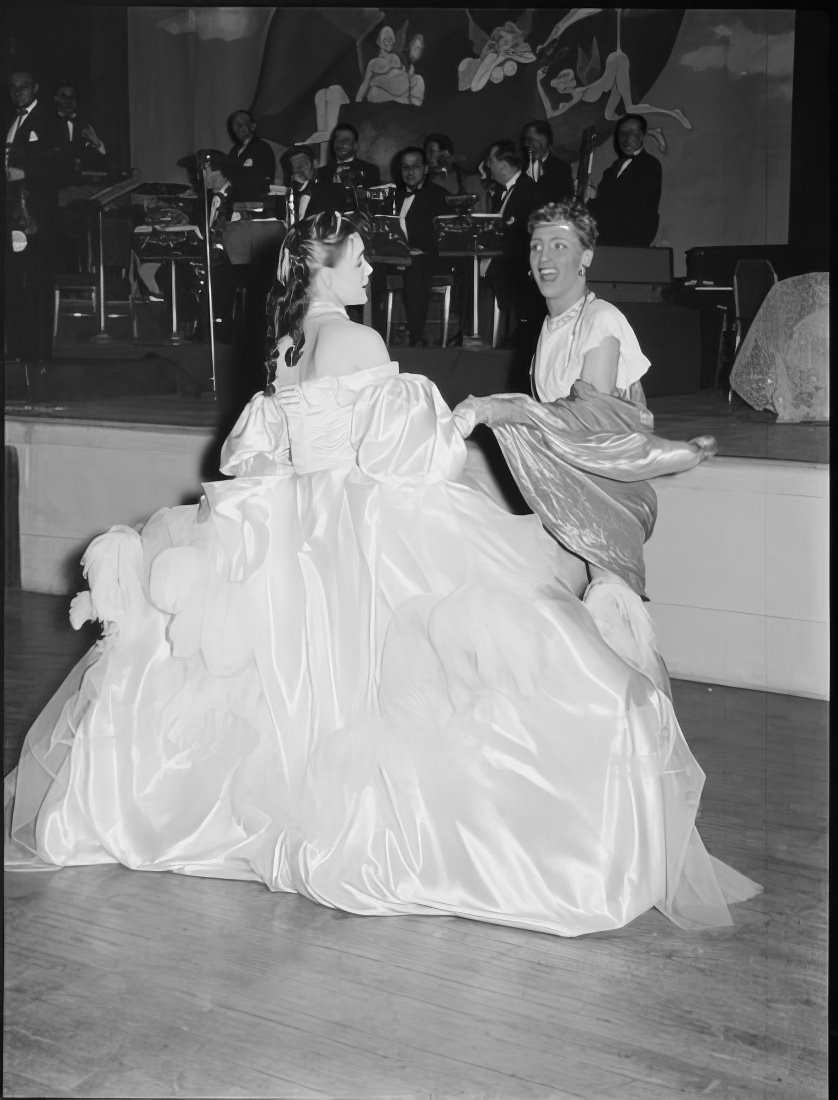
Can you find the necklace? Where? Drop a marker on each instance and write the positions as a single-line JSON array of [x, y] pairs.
[[559, 321]]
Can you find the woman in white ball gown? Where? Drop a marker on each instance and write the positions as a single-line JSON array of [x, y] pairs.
[[347, 674]]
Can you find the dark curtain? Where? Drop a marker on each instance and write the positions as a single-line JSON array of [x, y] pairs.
[[810, 173], [84, 44]]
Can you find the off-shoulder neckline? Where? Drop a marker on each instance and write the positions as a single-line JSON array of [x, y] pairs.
[[356, 378]]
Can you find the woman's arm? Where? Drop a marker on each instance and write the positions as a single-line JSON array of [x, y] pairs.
[[599, 366]]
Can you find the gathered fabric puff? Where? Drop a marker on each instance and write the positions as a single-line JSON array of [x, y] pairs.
[[350, 675]]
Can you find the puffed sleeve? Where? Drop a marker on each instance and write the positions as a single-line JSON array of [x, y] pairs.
[[258, 445], [404, 433]]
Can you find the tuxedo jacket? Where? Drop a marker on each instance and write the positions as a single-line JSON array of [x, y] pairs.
[[428, 203], [255, 167], [37, 149], [79, 156], [364, 174], [626, 208], [556, 181], [526, 196], [324, 197]]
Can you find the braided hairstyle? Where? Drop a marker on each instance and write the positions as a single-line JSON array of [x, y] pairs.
[[315, 243]]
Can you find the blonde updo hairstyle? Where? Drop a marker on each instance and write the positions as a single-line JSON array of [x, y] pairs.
[[317, 242]]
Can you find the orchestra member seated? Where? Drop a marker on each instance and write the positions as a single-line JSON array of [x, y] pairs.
[[443, 169], [84, 151], [514, 196], [627, 199], [417, 202], [255, 162], [343, 165], [310, 195], [84, 160], [552, 174]]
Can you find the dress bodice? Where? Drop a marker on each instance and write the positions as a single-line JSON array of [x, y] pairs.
[[393, 427]]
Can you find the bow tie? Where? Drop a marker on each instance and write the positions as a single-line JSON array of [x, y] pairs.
[[22, 110]]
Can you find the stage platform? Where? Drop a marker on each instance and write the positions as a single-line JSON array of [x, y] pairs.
[[737, 566]]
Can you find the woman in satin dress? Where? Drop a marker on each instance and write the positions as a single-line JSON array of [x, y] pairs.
[[347, 674], [582, 449]]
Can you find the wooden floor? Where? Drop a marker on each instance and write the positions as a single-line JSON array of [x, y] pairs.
[[123, 984]]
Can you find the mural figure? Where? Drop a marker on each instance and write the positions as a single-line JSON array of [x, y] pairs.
[[327, 105], [615, 80], [387, 78], [415, 49], [500, 53]]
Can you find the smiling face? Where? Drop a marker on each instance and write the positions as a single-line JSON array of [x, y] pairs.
[[346, 281], [535, 143], [65, 101], [556, 256], [630, 137], [413, 170], [344, 145], [243, 127]]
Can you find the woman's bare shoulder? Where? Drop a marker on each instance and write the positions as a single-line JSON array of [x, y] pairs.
[[344, 346]]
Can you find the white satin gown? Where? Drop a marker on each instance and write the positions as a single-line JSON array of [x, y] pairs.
[[350, 675]]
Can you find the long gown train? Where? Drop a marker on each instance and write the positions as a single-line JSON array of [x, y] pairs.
[[349, 675]]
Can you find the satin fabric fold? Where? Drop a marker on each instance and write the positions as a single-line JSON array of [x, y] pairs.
[[582, 464], [365, 683]]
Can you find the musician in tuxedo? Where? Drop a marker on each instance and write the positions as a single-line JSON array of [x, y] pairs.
[[417, 202], [552, 174], [514, 195], [83, 149], [628, 195], [255, 161], [309, 194], [344, 166], [33, 158]]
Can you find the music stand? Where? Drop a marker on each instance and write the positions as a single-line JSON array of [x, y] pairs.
[[101, 200]]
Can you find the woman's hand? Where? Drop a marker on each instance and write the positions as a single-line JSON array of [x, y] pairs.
[[467, 416], [502, 408]]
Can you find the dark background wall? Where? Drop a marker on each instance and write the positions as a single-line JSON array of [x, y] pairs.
[[810, 132], [84, 44]]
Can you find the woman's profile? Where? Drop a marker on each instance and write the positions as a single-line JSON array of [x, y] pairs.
[[349, 675]]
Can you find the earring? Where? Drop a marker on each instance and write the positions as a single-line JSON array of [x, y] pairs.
[[581, 271]]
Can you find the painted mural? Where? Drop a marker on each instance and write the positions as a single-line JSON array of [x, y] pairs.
[[476, 74], [715, 86]]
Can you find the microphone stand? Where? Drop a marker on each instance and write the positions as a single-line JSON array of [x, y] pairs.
[[208, 251]]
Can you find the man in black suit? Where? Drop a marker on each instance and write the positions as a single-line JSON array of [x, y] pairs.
[[254, 157], [33, 158], [84, 160], [417, 203], [627, 199], [515, 195], [83, 149], [551, 173], [310, 195], [344, 166]]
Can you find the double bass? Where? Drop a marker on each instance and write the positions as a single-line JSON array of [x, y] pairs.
[[581, 187]]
